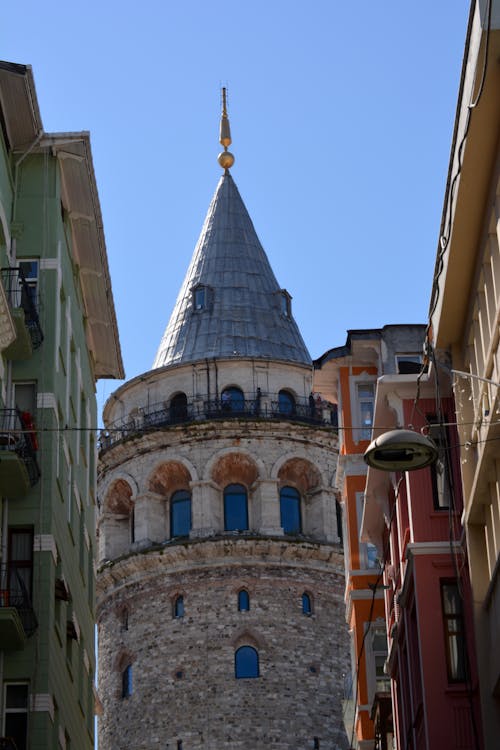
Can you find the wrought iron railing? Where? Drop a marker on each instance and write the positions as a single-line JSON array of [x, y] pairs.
[[14, 593], [7, 743], [20, 294], [17, 435], [160, 416]]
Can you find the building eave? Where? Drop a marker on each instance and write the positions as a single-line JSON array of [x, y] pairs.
[[80, 200], [472, 163], [21, 119]]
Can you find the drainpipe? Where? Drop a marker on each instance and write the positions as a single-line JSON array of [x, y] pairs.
[[208, 378], [216, 379]]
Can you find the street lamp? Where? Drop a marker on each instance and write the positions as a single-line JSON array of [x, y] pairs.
[[401, 450]]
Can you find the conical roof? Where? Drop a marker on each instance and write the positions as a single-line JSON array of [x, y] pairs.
[[230, 304]]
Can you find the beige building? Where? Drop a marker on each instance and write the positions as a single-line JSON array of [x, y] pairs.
[[465, 310], [221, 578]]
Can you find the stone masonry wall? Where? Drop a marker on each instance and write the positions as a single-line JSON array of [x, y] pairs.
[[184, 685]]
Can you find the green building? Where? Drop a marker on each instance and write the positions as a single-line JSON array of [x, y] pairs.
[[58, 336]]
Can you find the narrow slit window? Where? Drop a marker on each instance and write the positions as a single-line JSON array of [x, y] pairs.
[[243, 601], [306, 604]]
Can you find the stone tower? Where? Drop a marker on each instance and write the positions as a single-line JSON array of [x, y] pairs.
[[221, 578]]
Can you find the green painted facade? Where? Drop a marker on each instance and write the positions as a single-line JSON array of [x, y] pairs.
[[52, 354]]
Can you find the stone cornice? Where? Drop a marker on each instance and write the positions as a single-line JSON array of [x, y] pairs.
[[224, 551]]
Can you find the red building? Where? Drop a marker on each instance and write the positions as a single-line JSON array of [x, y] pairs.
[[415, 521]]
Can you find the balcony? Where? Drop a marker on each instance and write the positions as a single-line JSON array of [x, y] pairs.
[[17, 617], [161, 416], [23, 305], [7, 743], [19, 470]]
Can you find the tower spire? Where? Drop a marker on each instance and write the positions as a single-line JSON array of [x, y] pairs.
[[225, 158]]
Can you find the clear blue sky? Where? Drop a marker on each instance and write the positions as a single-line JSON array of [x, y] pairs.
[[341, 116]]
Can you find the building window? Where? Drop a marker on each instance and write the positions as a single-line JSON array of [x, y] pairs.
[[127, 682], [366, 400], [440, 475], [179, 607], [30, 271], [285, 303], [306, 604], [16, 713], [232, 399], [200, 298], [290, 510], [235, 508], [246, 662], [243, 601], [180, 514], [407, 364], [453, 620], [178, 408], [20, 565], [286, 403]]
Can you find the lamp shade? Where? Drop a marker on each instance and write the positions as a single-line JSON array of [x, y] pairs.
[[401, 450]]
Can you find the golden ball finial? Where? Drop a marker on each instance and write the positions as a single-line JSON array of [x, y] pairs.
[[226, 159]]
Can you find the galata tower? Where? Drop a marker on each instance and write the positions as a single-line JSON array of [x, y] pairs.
[[221, 576]]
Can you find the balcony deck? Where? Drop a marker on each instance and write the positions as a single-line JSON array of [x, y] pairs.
[[161, 416]]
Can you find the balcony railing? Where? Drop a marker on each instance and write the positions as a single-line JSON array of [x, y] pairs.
[[14, 593], [7, 743], [18, 436], [22, 295], [160, 416]]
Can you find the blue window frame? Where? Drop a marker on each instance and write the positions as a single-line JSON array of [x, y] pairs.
[[179, 606], [246, 662], [127, 681], [290, 510], [235, 508], [286, 403], [243, 601], [306, 604], [233, 399], [180, 514]]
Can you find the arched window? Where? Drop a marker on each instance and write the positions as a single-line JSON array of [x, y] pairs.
[[178, 408], [235, 508], [179, 606], [290, 510], [127, 681], [246, 662], [232, 399], [243, 601], [286, 403], [306, 604], [180, 514]]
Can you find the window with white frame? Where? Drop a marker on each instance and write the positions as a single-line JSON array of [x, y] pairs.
[[366, 401], [408, 363], [368, 554]]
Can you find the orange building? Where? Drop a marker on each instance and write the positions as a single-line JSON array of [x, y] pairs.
[[347, 376]]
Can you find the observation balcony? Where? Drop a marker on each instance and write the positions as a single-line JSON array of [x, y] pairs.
[[17, 617], [23, 303], [163, 416], [19, 470]]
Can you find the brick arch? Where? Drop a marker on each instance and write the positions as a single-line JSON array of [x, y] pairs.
[[300, 473], [235, 467], [247, 637], [168, 477], [118, 499]]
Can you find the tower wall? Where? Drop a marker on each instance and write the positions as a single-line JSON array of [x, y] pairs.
[[184, 686]]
